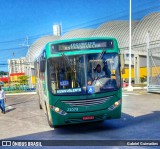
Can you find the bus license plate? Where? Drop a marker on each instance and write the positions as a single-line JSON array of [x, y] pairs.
[[88, 118]]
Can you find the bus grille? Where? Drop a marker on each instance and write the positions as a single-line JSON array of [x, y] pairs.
[[88, 102]]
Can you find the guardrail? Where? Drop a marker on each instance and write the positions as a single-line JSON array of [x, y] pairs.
[[153, 89]]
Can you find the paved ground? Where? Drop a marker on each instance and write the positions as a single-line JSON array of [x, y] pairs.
[[140, 120]]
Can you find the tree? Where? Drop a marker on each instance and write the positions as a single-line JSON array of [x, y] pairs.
[[3, 73], [23, 79]]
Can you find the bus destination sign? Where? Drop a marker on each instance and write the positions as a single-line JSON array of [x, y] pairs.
[[82, 45]]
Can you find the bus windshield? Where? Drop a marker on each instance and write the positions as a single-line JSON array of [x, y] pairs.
[[84, 74]]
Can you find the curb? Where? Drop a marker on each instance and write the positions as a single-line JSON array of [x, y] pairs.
[[28, 93], [136, 88]]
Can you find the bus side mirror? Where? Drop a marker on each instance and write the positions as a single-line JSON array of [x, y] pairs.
[[122, 62], [42, 65]]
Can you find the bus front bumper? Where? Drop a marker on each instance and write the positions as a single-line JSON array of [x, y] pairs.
[[83, 117]]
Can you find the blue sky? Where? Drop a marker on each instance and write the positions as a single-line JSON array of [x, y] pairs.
[[34, 18]]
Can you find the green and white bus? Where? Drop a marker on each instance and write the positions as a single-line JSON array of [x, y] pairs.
[[79, 80]]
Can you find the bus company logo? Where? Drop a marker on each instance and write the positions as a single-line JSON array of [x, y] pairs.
[[6, 143]]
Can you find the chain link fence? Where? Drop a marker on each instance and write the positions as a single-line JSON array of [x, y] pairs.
[[153, 70]]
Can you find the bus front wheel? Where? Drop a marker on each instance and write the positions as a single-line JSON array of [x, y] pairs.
[[40, 106], [50, 124]]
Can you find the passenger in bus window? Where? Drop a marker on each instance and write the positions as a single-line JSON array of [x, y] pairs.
[[107, 70], [61, 74]]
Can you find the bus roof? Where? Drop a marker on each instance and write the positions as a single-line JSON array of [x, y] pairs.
[[83, 39], [48, 45]]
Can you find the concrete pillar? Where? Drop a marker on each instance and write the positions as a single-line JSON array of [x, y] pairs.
[[136, 69]]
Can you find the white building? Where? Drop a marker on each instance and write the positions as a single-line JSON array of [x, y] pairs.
[[57, 30], [16, 65]]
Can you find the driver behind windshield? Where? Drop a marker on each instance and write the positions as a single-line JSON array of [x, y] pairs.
[[98, 73]]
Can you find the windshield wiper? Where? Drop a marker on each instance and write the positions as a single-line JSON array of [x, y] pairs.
[[103, 52]]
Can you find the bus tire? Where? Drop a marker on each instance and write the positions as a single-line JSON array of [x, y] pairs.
[[40, 106], [48, 118]]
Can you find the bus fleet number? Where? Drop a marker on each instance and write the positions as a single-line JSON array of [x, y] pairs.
[[72, 109]]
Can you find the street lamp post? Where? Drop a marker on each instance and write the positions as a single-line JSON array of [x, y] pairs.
[[130, 88]]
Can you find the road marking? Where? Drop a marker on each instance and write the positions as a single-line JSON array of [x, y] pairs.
[[131, 93], [124, 95]]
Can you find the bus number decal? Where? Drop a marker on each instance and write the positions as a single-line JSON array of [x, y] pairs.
[[72, 109]]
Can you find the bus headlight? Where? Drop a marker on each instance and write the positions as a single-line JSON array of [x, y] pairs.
[[115, 105], [58, 110]]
